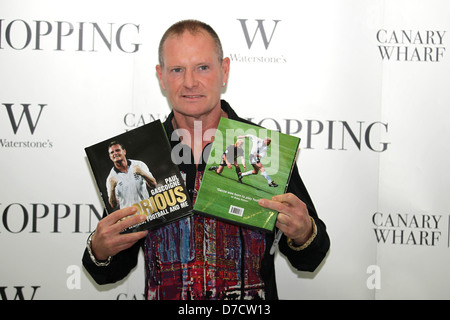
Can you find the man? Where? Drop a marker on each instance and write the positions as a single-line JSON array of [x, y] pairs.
[[229, 158], [200, 257], [259, 150], [128, 180]]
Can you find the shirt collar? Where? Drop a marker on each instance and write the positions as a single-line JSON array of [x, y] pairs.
[[128, 165]]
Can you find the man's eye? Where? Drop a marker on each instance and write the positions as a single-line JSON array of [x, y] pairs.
[[203, 68], [177, 70]]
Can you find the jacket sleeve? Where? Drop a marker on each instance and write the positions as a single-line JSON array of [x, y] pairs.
[[309, 258], [121, 264]]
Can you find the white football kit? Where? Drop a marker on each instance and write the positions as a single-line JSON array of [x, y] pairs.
[[131, 188], [259, 150], [258, 147]]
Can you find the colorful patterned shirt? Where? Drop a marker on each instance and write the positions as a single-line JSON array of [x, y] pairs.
[[203, 258]]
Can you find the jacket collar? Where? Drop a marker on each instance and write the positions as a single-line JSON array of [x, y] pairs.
[[223, 104]]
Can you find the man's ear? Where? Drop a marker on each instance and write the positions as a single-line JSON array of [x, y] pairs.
[[159, 72], [225, 69]]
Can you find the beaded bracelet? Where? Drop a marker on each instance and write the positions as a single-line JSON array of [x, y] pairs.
[[292, 245], [91, 254]]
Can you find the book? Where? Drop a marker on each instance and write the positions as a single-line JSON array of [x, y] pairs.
[[135, 168], [246, 163]]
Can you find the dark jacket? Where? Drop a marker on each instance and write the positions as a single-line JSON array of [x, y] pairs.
[[305, 260]]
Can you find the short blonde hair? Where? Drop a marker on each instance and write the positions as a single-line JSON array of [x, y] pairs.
[[194, 27]]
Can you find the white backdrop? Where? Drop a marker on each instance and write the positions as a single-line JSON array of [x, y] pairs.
[[363, 83]]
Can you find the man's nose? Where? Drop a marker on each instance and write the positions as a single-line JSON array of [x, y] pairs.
[[190, 79]]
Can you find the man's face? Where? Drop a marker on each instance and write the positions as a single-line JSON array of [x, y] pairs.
[[192, 75], [116, 153]]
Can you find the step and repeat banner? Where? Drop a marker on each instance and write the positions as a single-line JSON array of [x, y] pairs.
[[364, 84]]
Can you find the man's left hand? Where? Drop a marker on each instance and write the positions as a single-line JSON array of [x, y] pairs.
[[293, 217]]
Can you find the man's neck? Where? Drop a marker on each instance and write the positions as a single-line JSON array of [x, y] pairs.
[[121, 165], [201, 129]]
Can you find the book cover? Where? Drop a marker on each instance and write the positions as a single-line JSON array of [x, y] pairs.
[[135, 169], [246, 163]]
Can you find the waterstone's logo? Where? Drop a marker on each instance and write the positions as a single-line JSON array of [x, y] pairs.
[[258, 34], [23, 116], [411, 45]]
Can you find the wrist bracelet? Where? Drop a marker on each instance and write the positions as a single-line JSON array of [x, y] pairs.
[[91, 254], [292, 245]]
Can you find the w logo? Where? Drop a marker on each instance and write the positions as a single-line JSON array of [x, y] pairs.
[[19, 293], [15, 124], [261, 29]]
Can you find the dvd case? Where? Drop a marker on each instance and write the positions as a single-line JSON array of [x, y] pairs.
[[135, 169], [246, 163]]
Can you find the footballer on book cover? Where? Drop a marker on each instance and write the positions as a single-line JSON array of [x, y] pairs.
[[246, 163], [135, 169]]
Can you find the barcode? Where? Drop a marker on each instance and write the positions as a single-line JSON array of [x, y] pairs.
[[236, 211]]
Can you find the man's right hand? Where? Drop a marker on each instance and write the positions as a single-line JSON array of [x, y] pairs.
[[107, 240]]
